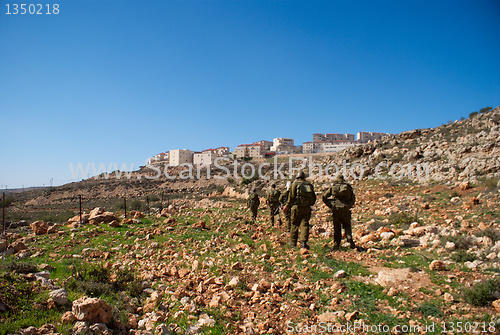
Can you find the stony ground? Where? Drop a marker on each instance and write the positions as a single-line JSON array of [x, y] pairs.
[[431, 265]]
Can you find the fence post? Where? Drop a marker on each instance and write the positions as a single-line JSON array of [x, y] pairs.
[[3, 213], [161, 202], [147, 201], [80, 201], [3, 222], [125, 205]]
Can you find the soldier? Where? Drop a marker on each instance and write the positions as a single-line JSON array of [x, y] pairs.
[[300, 200], [253, 203], [283, 200], [342, 200], [273, 201]]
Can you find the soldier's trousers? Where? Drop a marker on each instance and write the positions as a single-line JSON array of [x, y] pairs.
[[300, 220], [254, 210], [341, 218], [288, 220], [274, 210]]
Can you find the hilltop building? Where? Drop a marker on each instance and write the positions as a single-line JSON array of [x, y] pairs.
[[207, 157], [326, 146], [161, 157], [266, 144], [365, 137], [254, 150], [178, 157], [333, 137]]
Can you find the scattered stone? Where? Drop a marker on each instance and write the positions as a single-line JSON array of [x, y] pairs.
[[464, 185], [340, 274], [237, 266], [200, 225], [3, 245], [448, 297], [437, 266], [327, 317], [351, 316], [496, 305], [68, 318], [234, 281], [39, 227], [18, 246], [392, 292], [80, 328], [93, 310], [60, 296], [114, 224], [100, 328]]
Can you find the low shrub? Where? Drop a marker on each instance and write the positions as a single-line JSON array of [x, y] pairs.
[[482, 294]]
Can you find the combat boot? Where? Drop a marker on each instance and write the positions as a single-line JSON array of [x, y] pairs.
[[291, 244], [305, 245], [352, 245]]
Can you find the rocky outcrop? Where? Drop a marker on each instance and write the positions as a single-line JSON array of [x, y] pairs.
[[92, 310]]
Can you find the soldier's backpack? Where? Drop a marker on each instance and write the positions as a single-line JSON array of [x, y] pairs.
[[343, 195], [305, 194], [274, 196], [253, 200]]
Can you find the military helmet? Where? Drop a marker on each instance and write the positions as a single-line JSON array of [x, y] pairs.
[[301, 175], [339, 178], [273, 185]]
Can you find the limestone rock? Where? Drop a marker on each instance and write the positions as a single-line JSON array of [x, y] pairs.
[[18, 246], [496, 305], [437, 266], [80, 328], [234, 281], [68, 318], [3, 245], [339, 274], [39, 227], [60, 296], [94, 310]]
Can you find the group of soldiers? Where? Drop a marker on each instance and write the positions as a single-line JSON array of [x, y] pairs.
[[296, 201]]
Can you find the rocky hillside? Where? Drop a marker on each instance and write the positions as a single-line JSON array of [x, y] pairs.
[[430, 262], [468, 149]]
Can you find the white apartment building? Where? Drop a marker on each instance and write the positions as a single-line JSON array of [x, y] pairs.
[[333, 137], [328, 147], [222, 151], [179, 156], [310, 147], [241, 151], [282, 144], [206, 157], [266, 144], [364, 137], [161, 157]]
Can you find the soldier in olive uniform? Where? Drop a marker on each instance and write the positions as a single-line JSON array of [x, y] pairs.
[[300, 200], [273, 201], [340, 198], [253, 203], [283, 200]]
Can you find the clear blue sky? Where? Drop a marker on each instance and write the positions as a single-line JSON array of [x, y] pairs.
[[119, 81]]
